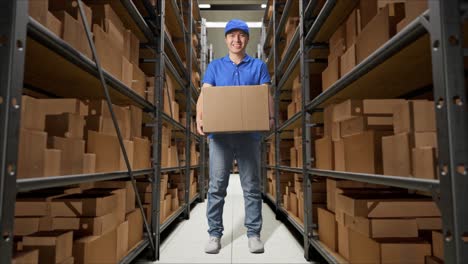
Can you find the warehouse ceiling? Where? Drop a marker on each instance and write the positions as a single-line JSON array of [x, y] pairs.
[[217, 5]]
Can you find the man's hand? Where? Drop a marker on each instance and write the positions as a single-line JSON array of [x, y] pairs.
[[200, 127]]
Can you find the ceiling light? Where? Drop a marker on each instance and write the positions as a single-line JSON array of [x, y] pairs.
[[263, 5], [204, 6]]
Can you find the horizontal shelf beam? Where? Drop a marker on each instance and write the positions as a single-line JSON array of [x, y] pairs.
[[284, 18], [139, 20], [172, 218], [31, 184], [135, 252], [289, 70], [289, 50], [290, 121], [395, 181], [292, 220], [290, 169], [323, 252]]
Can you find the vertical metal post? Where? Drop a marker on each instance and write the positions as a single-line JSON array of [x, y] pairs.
[[204, 48], [201, 176], [277, 93], [263, 168], [452, 125], [188, 106], [306, 134], [157, 130], [13, 23]]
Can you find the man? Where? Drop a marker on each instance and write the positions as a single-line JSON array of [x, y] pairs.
[[236, 68]]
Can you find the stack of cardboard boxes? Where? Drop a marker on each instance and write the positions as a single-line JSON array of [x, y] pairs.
[[97, 225], [170, 105], [370, 25], [387, 133], [116, 46], [165, 199], [293, 197], [285, 153], [55, 132], [368, 224]]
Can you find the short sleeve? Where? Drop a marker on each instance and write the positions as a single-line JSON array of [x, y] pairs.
[[264, 74], [209, 76]]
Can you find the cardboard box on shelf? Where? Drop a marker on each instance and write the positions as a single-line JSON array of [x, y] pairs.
[[53, 246], [122, 240], [343, 241], [136, 121], [348, 60], [368, 10], [32, 113], [38, 10], [103, 13], [339, 156], [31, 159], [54, 24], [424, 139], [369, 145], [396, 154], [32, 224], [438, 244], [293, 155], [138, 81], [353, 27], [52, 162], [89, 163], [347, 110], [327, 228], [293, 203], [324, 154], [141, 153], [384, 206], [83, 205], [72, 154], [126, 185], [86, 226], [132, 44], [96, 249], [127, 72], [415, 116], [336, 133], [331, 74], [382, 228], [378, 30], [105, 125], [109, 156], [391, 250], [328, 120], [73, 32], [110, 54], [424, 163], [72, 9], [291, 109], [222, 113], [381, 106], [337, 42], [61, 106], [27, 256], [429, 223], [66, 125], [135, 227], [299, 156]]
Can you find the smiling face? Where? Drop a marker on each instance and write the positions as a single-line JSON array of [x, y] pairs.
[[236, 41]]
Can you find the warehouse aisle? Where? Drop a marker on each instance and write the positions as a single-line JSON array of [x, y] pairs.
[[186, 243]]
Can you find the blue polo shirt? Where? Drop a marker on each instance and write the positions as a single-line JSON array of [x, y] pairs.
[[224, 72]]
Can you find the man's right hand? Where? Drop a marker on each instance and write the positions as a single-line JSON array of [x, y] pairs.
[[200, 127]]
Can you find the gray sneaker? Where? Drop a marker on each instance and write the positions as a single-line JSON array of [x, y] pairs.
[[256, 245], [213, 246]]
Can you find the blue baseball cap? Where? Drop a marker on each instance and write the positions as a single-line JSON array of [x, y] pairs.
[[236, 24]]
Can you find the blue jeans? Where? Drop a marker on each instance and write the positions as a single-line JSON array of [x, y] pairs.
[[224, 148]]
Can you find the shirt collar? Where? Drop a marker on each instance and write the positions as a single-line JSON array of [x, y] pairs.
[[246, 58]]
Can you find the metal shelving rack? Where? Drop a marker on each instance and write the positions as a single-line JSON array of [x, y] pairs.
[[436, 34], [16, 27]]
